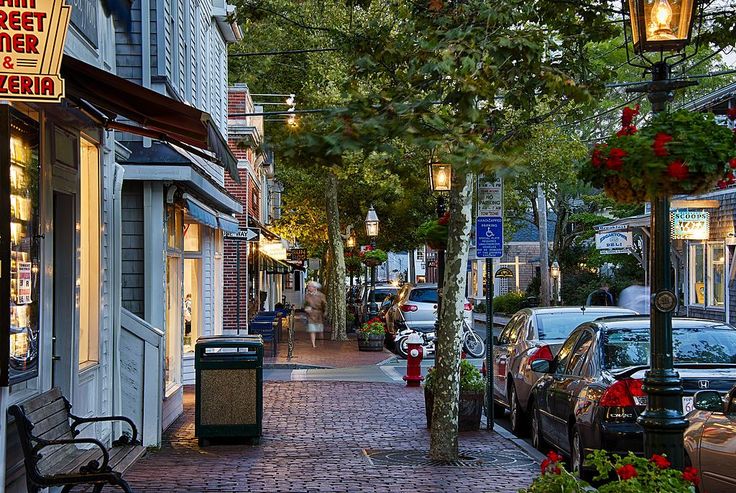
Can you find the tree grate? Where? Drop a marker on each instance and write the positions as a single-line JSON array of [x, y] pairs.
[[478, 459]]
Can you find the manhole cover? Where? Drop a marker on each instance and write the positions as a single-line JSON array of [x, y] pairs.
[[516, 458]]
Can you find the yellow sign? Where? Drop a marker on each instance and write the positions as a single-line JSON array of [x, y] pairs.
[[32, 35]]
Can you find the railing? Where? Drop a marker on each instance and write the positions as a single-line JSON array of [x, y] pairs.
[[141, 374]]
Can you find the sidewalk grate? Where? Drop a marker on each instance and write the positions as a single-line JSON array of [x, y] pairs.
[[479, 459]]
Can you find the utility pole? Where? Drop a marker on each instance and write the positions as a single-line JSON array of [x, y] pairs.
[[543, 248]]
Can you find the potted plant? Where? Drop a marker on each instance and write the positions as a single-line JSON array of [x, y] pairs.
[[371, 335], [472, 393], [373, 257], [616, 474], [434, 232], [681, 152]]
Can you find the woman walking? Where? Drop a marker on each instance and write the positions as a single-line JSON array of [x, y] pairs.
[[315, 307]]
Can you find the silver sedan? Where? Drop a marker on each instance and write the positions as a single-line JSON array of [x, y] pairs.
[[532, 334]]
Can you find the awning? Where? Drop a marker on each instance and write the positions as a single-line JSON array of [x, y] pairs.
[[200, 212], [159, 116], [228, 223]]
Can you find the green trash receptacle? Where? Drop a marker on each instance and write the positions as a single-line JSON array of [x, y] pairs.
[[229, 388]]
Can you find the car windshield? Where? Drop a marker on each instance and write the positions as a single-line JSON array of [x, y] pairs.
[[423, 295], [380, 294], [630, 347], [559, 324]]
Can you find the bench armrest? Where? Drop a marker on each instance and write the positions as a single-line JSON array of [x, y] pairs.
[[93, 466], [76, 421]]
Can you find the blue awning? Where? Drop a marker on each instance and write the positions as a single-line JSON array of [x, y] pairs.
[[228, 223], [200, 212]]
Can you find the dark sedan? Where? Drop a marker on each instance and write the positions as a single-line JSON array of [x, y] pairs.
[[591, 394]]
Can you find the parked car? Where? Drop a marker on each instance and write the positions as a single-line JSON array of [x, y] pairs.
[[382, 292], [533, 334], [710, 440], [416, 306], [591, 394]]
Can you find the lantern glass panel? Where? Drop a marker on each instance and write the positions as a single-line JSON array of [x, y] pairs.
[[441, 177], [371, 228], [661, 25]]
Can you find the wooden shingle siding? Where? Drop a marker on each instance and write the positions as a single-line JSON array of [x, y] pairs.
[[128, 48], [132, 249]]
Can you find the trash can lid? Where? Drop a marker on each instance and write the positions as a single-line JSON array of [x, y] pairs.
[[231, 340]]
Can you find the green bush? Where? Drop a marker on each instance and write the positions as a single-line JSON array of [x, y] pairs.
[[471, 379], [480, 307], [508, 303]]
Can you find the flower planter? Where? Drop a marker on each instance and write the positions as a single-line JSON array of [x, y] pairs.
[[371, 262], [436, 245], [469, 413], [370, 342]]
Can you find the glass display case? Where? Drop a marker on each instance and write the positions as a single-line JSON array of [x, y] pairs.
[[20, 278]]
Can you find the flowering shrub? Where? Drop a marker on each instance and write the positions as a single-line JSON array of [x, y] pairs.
[[373, 256], [678, 152], [373, 326], [616, 474]]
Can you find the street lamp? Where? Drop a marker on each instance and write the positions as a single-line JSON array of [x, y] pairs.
[[554, 272], [351, 242], [659, 26], [440, 180], [371, 230], [440, 177]]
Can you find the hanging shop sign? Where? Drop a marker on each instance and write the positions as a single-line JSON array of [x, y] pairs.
[[614, 240], [687, 225], [32, 36], [297, 254], [504, 273]]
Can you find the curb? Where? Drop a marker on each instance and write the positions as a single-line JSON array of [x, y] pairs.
[[293, 366], [519, 442]]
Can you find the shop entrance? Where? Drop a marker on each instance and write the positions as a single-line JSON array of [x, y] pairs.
[[64, 290]]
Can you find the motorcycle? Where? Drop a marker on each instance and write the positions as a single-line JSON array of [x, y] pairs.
[[473, 345]]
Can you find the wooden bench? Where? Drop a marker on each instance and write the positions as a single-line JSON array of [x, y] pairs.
[[53, 455]]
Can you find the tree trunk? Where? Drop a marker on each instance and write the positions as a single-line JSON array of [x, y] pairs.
[[543, 248], [337, 258], [444, 435]]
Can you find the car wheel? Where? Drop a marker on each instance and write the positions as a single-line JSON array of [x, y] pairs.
[[537, 439], [519, 425], [402, 347], [576, 457], [499, 410]]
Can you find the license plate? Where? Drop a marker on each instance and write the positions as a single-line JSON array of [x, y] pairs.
[[687, 403]]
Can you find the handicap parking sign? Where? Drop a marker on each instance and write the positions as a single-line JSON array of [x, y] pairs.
[[489, 237]]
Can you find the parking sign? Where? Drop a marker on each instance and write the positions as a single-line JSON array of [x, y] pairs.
[[489, 237]]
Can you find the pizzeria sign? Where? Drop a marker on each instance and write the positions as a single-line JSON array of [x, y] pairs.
[[32, 36]]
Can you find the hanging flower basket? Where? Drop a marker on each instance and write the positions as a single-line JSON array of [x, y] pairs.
[[373, 257], [352, 262], [681, 152], [434, 232]]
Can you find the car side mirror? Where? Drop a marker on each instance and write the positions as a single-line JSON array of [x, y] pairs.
[[541, 366], [708, 400]]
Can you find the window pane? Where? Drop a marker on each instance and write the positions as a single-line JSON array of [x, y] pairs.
[[191, 237], [716, 275], [192, 302], [424, 295], [697, 275], [89, 255]]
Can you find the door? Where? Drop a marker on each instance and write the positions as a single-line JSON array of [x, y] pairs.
[[718, 448], [174, 319], [553, 423], [64, 363]]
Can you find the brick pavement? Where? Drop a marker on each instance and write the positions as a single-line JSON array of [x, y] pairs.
[[314, 437], [327, 354]]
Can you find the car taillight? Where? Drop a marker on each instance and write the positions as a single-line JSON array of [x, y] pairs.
[[623, 393], [409, 308], [542, 352], [468, 307]]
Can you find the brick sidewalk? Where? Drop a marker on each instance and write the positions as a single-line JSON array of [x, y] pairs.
[[317, 438], [327, 354]]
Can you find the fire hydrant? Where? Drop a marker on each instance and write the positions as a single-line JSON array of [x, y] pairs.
[[414, 355]]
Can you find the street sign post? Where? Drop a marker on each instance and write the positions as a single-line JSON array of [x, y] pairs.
[[247, 234]]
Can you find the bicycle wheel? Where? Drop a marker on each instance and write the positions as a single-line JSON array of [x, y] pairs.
[[474, 345]]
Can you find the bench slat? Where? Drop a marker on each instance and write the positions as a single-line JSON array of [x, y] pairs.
[[133, 453], [54, 427], [42, 400], [70, 461], [52, 408]]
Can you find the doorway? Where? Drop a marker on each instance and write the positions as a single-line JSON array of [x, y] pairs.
[[64, 288]]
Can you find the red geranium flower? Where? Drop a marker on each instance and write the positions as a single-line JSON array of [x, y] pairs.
[[615, 159], [554, 456], [445, 219], [722, 184], [731, 114], [550, 463], [627, 130], [660, 141], [627, 472], [732, 163], [628, 115], [691, 474], [597, 158], [678, 170], [730, 178], [661, 461]]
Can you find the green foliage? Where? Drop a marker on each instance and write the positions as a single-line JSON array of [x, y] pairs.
[[373, 257], [373, 326], [352, 263], [433, 233], [479, 307], [508, 303], [633, 475], [692, 156], [471, 379]]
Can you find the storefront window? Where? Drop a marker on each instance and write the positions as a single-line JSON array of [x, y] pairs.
[[192, 237], [23, 172], [174, 227], [89, 255], [192, 302], [707, 274]]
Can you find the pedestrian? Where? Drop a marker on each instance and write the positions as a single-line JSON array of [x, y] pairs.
[[601, 297], [315, 303]]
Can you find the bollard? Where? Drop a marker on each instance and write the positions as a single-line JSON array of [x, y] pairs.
[[415, 353]]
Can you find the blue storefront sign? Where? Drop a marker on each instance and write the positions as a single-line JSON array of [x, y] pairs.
[[489, 237]]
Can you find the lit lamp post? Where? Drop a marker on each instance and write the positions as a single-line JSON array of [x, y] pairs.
[[659, 26], [554, 273], [371, 230], [440, 180], [350, 243]]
